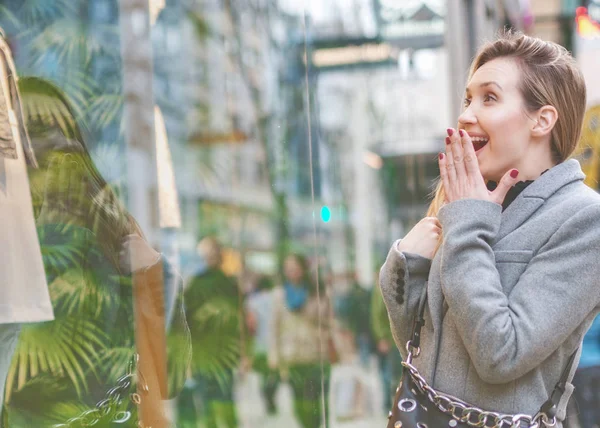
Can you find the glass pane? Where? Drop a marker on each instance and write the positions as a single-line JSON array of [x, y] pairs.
[[198, 196]]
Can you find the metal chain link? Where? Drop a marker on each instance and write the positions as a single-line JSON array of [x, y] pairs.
[[471, 415], [109, 406]]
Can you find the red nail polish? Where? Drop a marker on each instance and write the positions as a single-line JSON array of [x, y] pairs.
[[461, 132], [514, 173], [450, 131], [441, 156], [448, 141]]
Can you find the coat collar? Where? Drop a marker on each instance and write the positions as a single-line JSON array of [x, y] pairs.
[[537, 193]]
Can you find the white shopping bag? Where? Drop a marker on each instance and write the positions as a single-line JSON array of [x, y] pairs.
[[284, 399], [248, 399], [354, 398]]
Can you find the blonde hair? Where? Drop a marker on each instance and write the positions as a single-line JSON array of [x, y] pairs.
[[549, 76]]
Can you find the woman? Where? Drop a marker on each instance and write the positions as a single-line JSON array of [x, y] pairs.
[[509, 250], [300, 339]]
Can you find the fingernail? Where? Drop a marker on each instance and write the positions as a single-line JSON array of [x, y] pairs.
[[514, 173], [448, 140], [461, 132], [450, 131], [441, 156]]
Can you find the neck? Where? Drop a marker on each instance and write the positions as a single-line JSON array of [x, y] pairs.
[[534, 164]]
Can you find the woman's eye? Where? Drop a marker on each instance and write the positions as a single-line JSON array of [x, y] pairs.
[[489, 97], [466, 102]]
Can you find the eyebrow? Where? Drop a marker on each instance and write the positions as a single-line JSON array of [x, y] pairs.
[[484, 84]]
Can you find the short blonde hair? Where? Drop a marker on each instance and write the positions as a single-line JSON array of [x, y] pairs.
[[549, 76]]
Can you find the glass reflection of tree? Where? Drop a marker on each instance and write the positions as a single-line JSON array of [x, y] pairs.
[[63, 368], [67, 363]]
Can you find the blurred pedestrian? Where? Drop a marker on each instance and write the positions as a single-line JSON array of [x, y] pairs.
[[587, 379], [302, 340], [259, 306], [215, 316], [353, 309], [388, 357]]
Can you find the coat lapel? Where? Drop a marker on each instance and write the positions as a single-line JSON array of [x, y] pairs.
[[534, 196]]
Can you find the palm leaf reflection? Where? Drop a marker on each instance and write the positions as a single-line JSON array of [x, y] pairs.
[[81, 224], [45, 105], [64, 347]]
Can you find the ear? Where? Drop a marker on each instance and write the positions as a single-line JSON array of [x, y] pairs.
[[546, 119]]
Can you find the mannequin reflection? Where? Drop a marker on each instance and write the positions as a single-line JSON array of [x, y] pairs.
[[23, 290], [107, 289], [78, 200]]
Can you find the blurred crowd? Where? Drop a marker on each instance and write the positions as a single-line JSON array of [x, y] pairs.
[[287, 330]]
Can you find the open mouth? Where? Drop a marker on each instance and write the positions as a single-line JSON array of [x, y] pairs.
[[479, 142]]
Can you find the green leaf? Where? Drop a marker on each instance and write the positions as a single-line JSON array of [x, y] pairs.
[[201, 26], [66, 346], [6, 14], [72, 43], [45, 106], [33, 12], [106, 109], [114, 362]]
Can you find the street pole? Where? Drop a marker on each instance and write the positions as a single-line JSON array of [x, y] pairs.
[[148, 287]]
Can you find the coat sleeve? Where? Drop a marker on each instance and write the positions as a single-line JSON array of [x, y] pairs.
[[507, 336], [402, 279]]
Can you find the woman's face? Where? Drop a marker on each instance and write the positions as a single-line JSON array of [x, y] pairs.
[[292, 270], [494, 115]]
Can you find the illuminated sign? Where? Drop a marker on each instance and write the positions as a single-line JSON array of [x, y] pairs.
[[587, 27], [368, 53]]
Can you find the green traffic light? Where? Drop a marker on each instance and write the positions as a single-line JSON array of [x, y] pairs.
[[325, 214]]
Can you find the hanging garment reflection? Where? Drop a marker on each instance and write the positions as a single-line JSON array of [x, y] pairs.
[[259, 307], [24, 294], [107, 290]]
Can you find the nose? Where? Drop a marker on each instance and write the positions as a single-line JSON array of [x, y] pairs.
[[468, 116]]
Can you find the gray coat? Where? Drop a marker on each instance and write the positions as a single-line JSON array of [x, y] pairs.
[[511, 294]]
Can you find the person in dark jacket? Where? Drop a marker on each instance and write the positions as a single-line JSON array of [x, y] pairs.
[[214, 313]]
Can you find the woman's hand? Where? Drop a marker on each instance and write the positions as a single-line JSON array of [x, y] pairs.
[[423, 238], [460, 172]]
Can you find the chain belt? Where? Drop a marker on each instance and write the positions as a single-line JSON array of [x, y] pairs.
[[466, 413], [108, 407]]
